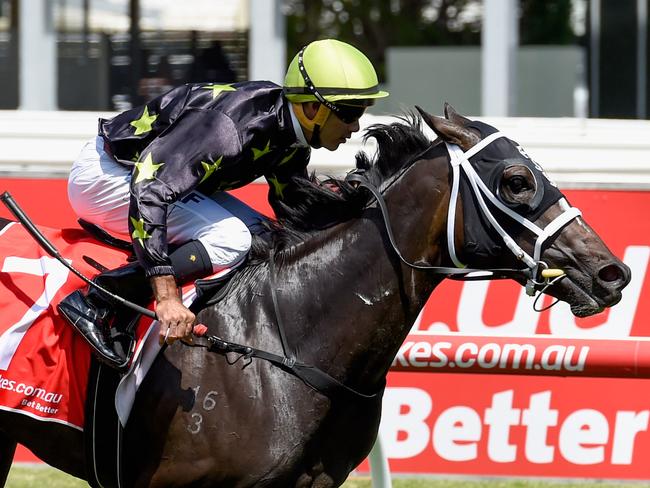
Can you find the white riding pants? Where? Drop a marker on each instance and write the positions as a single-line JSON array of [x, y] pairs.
[[98, 189]]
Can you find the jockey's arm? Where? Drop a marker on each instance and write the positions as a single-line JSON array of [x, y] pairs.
[[166, 173]]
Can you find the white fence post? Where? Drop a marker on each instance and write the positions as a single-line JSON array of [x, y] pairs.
[[379, 469], [37, 62]]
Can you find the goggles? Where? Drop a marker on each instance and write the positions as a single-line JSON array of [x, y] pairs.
[[349, 114]]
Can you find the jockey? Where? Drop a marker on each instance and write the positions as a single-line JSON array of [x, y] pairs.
[[157, 174]]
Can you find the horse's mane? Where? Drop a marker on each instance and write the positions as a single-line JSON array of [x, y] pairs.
[[319, 207]]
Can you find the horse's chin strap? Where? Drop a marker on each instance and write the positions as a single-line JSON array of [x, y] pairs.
[[535, 267], [459, 159]]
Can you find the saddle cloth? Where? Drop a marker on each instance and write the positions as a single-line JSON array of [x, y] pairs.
[[44, 363]]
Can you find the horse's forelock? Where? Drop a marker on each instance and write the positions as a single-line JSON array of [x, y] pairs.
[[397, 143]]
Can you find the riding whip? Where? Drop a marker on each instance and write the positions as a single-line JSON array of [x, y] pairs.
[[42, 241]]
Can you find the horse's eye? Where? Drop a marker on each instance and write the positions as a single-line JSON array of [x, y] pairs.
[[517, 184]]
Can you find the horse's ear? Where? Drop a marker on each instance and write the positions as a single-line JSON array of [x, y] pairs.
[[450, 131], [454, 116]]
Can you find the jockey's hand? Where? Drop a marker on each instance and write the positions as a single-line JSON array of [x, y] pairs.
[[176, 321]]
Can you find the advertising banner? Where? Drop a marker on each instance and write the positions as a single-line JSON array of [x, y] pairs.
[[471, 424], [529, 425]]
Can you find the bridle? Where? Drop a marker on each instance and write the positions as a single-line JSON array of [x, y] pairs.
[[459, 159], [537, 273]]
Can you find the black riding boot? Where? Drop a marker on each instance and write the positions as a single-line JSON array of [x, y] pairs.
[[91, 313]]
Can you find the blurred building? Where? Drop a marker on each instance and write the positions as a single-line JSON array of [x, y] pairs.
[[111, 54], [100, 68], [603, 75]]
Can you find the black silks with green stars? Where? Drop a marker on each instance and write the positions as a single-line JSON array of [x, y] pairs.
[[203, 137]]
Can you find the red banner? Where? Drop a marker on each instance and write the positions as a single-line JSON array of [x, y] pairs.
[[530, 426], [473, 424], [516, 426]]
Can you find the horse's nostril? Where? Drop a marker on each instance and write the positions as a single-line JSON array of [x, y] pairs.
[[611, 273]]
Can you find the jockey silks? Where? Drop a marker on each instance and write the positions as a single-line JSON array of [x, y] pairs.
[[203, 137]]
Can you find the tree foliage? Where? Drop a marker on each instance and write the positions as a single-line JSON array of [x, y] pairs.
[[374, 25], [546, 22]]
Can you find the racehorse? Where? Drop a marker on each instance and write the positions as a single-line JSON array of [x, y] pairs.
[[347, 291]]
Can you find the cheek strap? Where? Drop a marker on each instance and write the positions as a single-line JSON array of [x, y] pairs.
[[459, 160], [312, 125]]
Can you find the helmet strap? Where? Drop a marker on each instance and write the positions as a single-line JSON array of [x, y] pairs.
[[310, 84], [312, 125], [315, 138]]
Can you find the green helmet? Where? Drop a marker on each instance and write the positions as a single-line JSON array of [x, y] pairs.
[[331, 71]]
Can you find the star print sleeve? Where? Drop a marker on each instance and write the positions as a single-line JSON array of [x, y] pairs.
[[142, 123], [282, 186], [172, 166]]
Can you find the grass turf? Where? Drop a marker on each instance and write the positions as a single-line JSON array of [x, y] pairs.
[[39, 477]]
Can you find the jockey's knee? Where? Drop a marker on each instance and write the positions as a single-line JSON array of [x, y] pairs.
[[239, 240], [230, 249]]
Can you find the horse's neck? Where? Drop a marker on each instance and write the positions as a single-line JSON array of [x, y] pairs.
[[359, 299]]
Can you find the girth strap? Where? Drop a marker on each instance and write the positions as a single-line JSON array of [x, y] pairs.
[[289, 356]]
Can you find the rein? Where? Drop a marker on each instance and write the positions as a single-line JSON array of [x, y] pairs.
[[478, 274], [310, 375]]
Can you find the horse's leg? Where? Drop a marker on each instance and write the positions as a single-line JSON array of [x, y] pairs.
[[7, 450]]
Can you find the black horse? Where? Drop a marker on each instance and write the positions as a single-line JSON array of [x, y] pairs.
[[347, 302]]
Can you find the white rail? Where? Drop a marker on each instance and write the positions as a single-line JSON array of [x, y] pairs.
[[575, 152]]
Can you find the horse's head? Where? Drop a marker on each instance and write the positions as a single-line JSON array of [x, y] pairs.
[[513, 214]]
